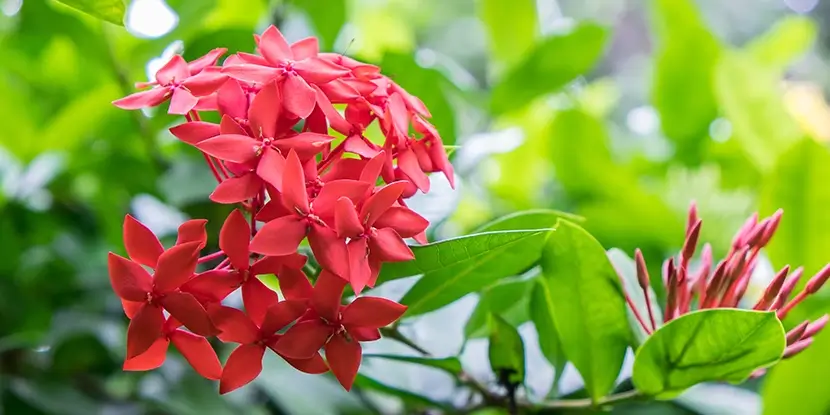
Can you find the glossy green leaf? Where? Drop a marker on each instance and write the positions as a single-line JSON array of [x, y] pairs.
[[792, 386], [750, 97], [683, 76], [707, 345], [553, 63], [460, 266], [588, 306], [791, 37], [541, 313], [529, 219], [506, 350], [108, 10], [450, 365], [327, 17], [627, 270], [508, 299], [798, 184], [512, 27]]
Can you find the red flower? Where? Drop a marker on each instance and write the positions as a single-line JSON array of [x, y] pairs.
[[195, 349], [338, 329], [179, 82], [253, 336]]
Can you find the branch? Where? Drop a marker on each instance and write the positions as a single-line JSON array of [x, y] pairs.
[[617, 398]]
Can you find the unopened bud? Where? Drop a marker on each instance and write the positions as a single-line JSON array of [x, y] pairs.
[[690, 244], [754, 236], [712, 292], [797, 347], [773, 289], [642, 271], [787, 289], [775, 220], [797, 332], [693, 218], [740, 238], [815, 327], [818, 280]]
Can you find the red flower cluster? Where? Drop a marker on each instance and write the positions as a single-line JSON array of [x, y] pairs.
[[273, 153], [726, 285]]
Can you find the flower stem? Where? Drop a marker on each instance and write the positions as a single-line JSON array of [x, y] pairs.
[[616, 398]]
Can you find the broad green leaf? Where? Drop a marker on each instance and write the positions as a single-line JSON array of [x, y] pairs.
[[588, 306], [506, 350], [541, 313], [450, 365], [108, 10], [508, 299], [409, 398], [750, 97], [457, 267], [327, 17], [627, 270], [684, 67], [528, 219], [798, 184], [793, 386], [553, 63], [791, 37], [707, 345], [512, 27]]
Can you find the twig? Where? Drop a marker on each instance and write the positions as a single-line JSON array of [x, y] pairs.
[[588, 403]]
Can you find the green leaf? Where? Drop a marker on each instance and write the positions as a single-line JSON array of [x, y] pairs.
[[327, 17], [512, 27], [450, 365], [798, 184], [508, 299], [506, 350], [460, 266], [553, 63], [791, 37], [684, 67], [793, 386], [541, 313], [108, 10], [411, 399], [749, 95], [627, 269], [529, 219], [707, 345], [588, 306]]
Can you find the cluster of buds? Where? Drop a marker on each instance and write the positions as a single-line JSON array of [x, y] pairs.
[[273, 155], [725, 286]]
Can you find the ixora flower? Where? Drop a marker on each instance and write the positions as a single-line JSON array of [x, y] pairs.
[[726, 284], [274, 156]]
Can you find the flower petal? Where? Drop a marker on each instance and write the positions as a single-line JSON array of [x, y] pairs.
[[357, 144], [298, 97], [251, 73], [181, 102], [243, 366], [379, 202], [326, 298], [354, 190], [346, 221], [176, 266], [273, 46], [344, 357], [257, 298], [212, 286], [388, 246], [398, 114], [305, 48], [275, 264], [319, 71], [230, 147], [271, 166], [198, 352], [193, 231], [151, 359], [282, 314], [234, 325], [209, 59], [294, 194], [144, 329], [129, 280], [359, 272], [371, 171], [237, 189], [337, 122], [174, 70], [141, 243], [294, 284], [233, 240], [363, 334], [205, 83], [131, 307], [372, 312], [303, 339], [403, 220], [232, 102], [314, 366], [195, 132], [280, 236], [185, 308], [329, 250], [408, 164], [143, 99], [306, 145], [265, 110]]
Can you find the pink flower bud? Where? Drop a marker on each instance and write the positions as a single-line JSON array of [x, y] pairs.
[[797, 332], [796, 348]]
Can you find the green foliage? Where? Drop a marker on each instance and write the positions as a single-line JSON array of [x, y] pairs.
[[508, 299], [450, 365], [587, 305], [512, 27], [789, 38], [707, 345], [108, 10], [541, 313], [791, 386], [627, 270], [506, 350]]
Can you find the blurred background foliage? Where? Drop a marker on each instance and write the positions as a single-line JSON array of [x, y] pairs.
[[621, 111]]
